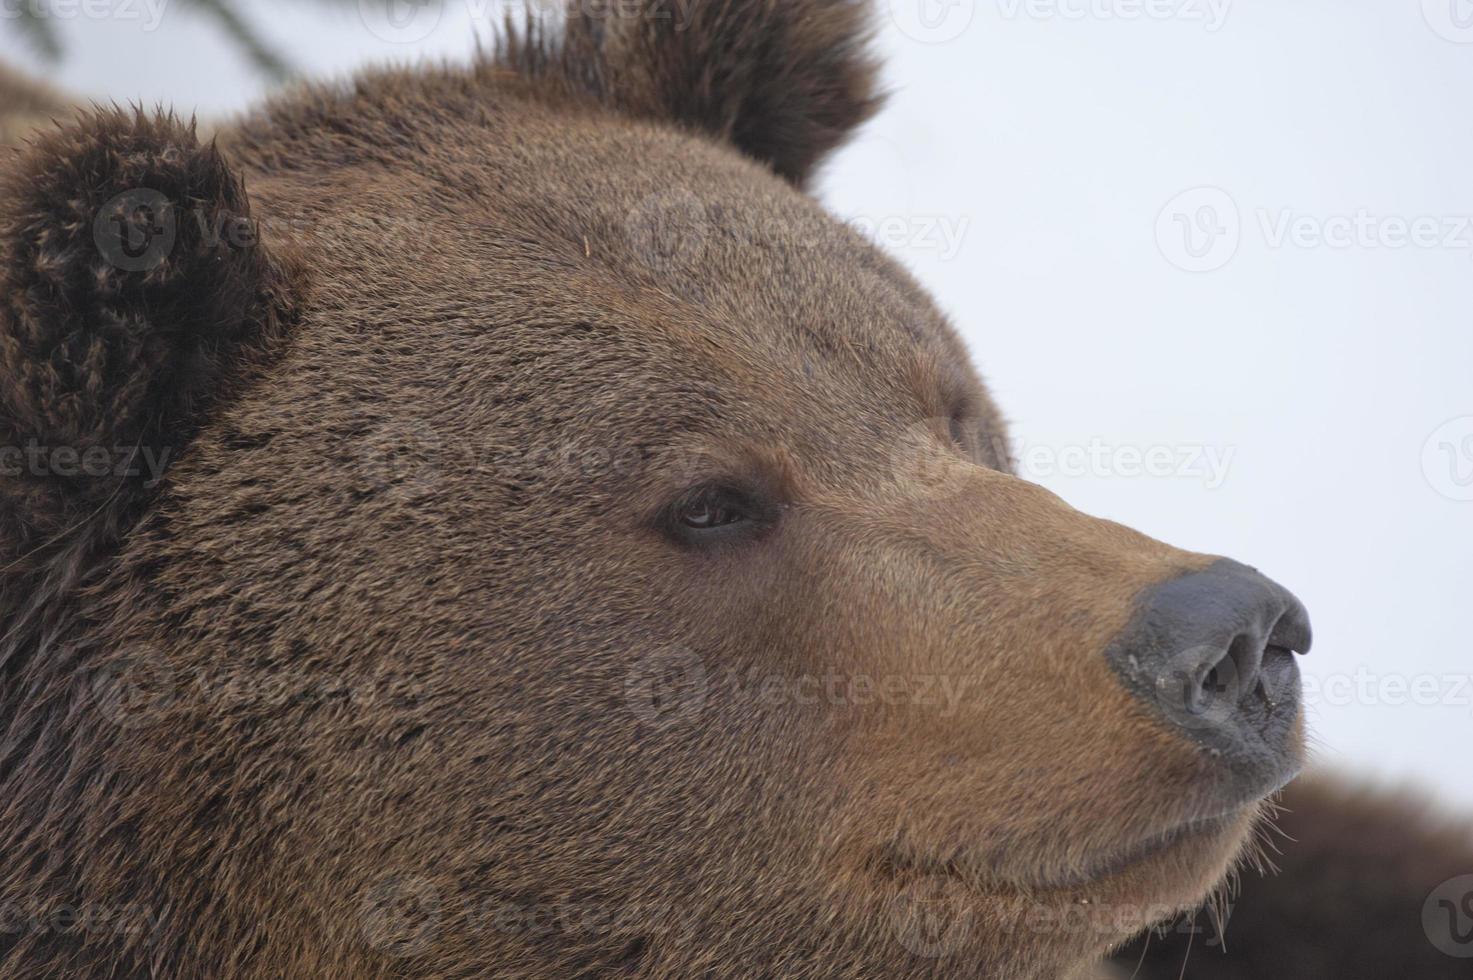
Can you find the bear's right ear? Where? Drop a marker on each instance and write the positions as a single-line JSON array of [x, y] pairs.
[[784, 81], [132, 288]]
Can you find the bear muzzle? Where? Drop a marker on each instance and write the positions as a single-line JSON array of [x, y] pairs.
[[1212, 655]]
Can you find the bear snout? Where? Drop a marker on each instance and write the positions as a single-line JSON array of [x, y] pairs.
[[1211, 653]]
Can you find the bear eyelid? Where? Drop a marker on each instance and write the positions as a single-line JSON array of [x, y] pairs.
[[736, 511]]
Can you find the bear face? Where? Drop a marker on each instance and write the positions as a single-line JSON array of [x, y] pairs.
[[543, 542]]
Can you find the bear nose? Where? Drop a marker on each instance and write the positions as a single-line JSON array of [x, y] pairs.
[[1212, 655]]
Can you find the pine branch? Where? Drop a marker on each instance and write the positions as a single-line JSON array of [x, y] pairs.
[[35, 23], [262, 54]]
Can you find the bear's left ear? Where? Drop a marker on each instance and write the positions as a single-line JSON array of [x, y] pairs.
[[132, 289], [785, 81]]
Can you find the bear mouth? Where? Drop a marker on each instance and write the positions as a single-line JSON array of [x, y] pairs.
[[1209, 835], [1117, 863]]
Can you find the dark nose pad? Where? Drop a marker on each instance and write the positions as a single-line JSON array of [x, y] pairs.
[[1212, 654]]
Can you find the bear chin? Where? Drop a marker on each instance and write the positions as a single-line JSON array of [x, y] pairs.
[[1131, 889], [1172, 874]]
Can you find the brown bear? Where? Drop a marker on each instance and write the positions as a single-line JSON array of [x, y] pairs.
[[491, 522]]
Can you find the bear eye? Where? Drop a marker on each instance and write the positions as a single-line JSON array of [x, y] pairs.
[[708, 514], [711, 508], [716, 514]]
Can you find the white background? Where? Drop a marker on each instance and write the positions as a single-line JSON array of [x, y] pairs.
[[1317, 350]]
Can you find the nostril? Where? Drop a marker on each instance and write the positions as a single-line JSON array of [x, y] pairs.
[[1292, 632], [1223, 674], [1211, 653], [1203, 645], [1245, 654]]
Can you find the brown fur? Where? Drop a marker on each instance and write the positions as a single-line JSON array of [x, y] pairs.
[[360, 689]]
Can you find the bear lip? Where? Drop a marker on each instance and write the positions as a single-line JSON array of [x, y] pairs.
[[1196, 828], [1142, 851], [1097, 868]]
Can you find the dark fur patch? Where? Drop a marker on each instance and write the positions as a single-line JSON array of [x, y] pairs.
[[786, 81], [130, 281]]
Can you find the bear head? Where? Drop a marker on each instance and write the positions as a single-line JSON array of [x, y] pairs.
[[492, 521]]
